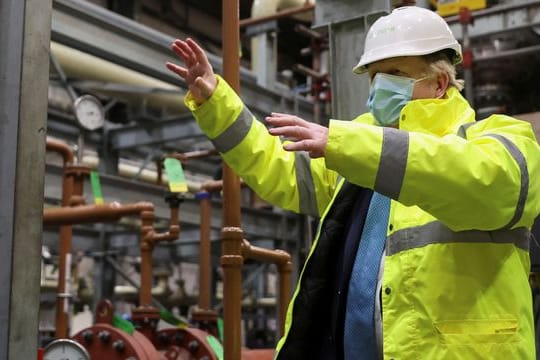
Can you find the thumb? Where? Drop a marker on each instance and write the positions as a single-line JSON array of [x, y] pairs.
[[204, 86]]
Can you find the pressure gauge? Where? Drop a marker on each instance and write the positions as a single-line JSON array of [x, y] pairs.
[[89, 112], [65, 349]]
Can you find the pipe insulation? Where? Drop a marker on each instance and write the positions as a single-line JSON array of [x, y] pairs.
[[119, 82]]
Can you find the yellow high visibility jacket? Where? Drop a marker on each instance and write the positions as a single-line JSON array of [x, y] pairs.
[[464, 197]]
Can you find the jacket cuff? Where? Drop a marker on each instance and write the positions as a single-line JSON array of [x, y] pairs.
[[218, 112]]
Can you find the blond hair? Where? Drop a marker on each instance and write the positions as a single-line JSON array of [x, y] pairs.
[[440, 62]]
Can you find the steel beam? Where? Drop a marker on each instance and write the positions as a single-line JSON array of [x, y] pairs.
[[152, 133], [25, 36]]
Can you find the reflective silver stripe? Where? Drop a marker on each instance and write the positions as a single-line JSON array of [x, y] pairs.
[[394, 153], [304, 181], [235, 133], [437, 233], [524, 190], [462, 131]]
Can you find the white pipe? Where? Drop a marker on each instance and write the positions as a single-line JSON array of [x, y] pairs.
[[77, 64], [129, 170]]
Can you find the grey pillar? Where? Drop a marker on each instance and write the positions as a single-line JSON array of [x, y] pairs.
[[24, 75], [347, 23]]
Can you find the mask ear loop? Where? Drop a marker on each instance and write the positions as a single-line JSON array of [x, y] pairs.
[[428, 77]]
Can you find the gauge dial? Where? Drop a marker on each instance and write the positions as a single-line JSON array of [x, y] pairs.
[[89, 112], [65, 349]]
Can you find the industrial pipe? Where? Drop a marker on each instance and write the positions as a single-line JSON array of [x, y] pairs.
[[85, 214], [61, 148], [283, 262], [77, 64], [204, 315], [72, 179], [231, 233]]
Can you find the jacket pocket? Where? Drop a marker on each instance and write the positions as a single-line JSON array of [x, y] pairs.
[[464, 332]]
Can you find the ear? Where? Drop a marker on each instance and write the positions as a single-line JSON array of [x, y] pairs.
[[443, 79]]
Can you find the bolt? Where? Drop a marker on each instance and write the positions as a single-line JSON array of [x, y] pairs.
[[104, 336], [163, 338], [119, 345], [88, 336], [178, 338], [193, 346]]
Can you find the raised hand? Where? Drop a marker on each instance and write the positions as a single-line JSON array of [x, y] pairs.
[[198, 73], [305, 135]]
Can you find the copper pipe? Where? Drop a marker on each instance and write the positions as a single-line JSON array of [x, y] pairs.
[[205, 251], [147, 247], [148, 239], [231, 64], [198, 154], [280, 14], [231, 234], [214, 186], [61, 148], [62, 301], [232, 262], [85, 214], [283, 261]]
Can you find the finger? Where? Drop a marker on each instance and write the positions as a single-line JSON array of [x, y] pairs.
[[198, 51], [276, 114], [190, 56], [301, 145], [284, 120], [177, 69], [295, 132], [180, 52]]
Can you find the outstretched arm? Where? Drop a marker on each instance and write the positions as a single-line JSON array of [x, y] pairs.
[[198, 73]]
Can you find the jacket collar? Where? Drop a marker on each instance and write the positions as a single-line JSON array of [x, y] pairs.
[[437, 116]]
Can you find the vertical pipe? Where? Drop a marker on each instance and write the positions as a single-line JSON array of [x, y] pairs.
[[205, 251], [231, 73], [72, 194], [232, 262], [284, 293], [231, 235], [145, 293], [62, 300]]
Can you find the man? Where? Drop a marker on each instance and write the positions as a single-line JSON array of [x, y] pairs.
[[422, 248]]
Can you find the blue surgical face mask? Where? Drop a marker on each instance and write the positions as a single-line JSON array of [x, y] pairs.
[[388, 94]]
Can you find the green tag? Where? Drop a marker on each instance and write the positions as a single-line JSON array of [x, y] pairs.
[[96, 187], [175, 173], [123, 324], [220, 328], [169, 318], [215, 345]]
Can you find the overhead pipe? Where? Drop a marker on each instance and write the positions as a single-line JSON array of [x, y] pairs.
[[118, 81]]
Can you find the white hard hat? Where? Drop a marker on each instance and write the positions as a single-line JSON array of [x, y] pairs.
[[407, 31]]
